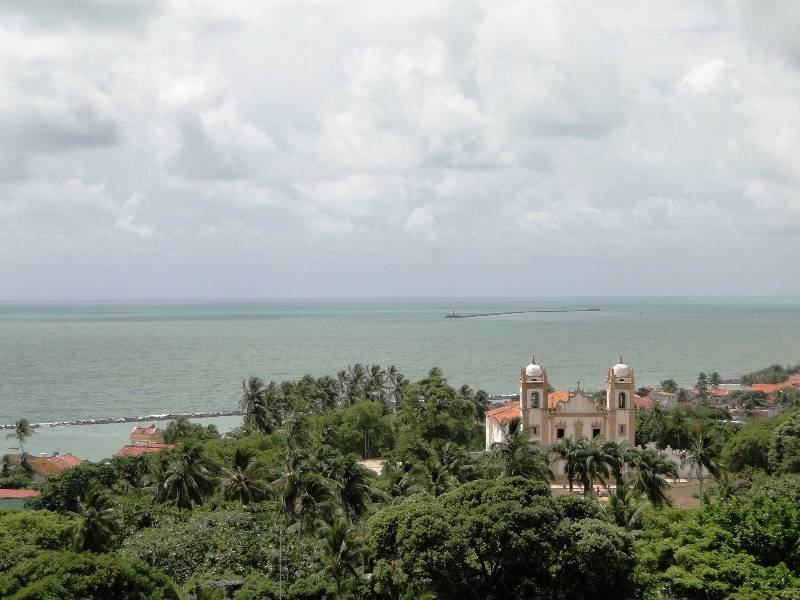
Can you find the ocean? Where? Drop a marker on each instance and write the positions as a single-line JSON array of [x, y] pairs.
[[85, 360]]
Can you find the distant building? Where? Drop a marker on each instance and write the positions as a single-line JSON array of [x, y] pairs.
[[143, 441], [715, 395], [44, 466], [129, 450], [146, 436], [15, 498], [662, 398], [549, 417]]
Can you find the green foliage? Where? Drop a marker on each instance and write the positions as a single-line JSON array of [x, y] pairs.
[[675, 427], [749, 398], [24, 533], [18, 481], [773, 374], [183, 430], [432, 410], [363, 429], [496, 540], [594, 560], [669, 385], [94, 523], [223, 542], [55, 575], [520, 456], [784, 447], [185, 477], [62, 492], [743, 548], [749, 447]]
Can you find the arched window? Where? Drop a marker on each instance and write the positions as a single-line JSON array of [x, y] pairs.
[[622, 399], [535, 399]]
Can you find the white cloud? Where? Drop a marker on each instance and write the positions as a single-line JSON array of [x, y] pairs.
[[415, 136], [705, 77]]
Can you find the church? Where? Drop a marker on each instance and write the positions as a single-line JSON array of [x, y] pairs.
[[550, 416]]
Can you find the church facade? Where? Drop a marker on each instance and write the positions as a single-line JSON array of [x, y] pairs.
[[550, 416]]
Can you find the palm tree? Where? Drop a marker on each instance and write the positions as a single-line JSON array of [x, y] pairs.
[[375, 384], [22, 431], [678, 423], [185, 478], [342, 385], [254, 405], [481, 401], [304, 494], [648, 476], [702, 454], [244, 481], [567, 450], [728, 486], [94, 523], [452, 458], [520, 456], [618, 457], [178, 429], [432, 477], [7, 467], [340, 553], [356, 381], [354, 485], [396, 383], [15, 465], [591, 464], [625, 506]]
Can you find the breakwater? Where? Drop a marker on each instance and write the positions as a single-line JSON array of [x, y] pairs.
[[140, 419], [455, 315]]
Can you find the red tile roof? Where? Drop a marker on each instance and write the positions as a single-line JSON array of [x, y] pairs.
[[17, 494], [642, 402], [138, 450], [553, 398], [50, 465], [505, 413], [717, 392], [769, 388]]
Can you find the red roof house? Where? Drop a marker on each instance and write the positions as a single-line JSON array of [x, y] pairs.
[[130, 450], [51, 465], [17, 494], [769, 388]]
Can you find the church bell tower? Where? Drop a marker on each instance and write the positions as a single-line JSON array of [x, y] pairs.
[[533, 400], [620, 390]]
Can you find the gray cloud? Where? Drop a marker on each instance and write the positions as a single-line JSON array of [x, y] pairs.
[[120, 15], [419, 148]]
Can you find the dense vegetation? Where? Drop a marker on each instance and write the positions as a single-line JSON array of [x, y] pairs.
[[283, 508], [772, 374]]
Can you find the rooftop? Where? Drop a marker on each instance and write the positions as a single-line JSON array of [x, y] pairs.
[[505, 413], [139, 450], [50, 465], [770, 388], [17, 494], [553, 398], [716, 392]]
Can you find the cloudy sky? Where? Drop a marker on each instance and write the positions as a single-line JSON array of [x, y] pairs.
[[197, 148]]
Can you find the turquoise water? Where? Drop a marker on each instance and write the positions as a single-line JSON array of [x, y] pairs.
[[111, 359]]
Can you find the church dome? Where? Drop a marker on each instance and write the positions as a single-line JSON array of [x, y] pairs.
[[533, 370], [621, 370]]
